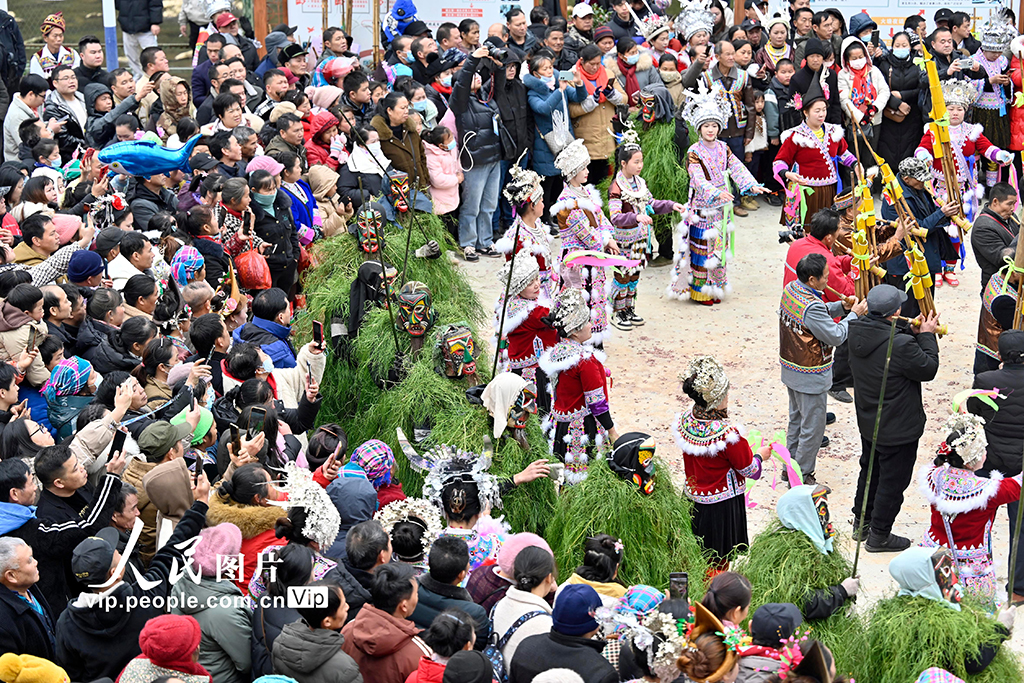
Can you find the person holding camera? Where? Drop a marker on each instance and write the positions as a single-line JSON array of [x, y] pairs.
[[480, 138]]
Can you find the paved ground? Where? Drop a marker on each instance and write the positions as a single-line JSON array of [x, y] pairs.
[[743, 334]]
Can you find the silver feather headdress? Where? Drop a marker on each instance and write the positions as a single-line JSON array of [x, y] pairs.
[[446, 465]]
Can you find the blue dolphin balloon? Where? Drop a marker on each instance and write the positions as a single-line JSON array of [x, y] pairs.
[[146, 158]]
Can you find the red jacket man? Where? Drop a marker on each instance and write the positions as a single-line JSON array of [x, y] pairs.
[[821, 237]]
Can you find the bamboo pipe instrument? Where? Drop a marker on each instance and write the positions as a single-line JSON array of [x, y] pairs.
[[876, 270], [1018, 262], [941, 331]]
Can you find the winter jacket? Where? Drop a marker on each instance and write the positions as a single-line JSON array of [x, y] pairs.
[[279, 144], [896, 140], [271, 337], [915, 359], [111, 356], [137, 469], [356, 501], [145, 204], [256, 523], [989, 237], [17, 113], [278, 231], [407, 154], [385, 648], [267, 624], [757, 668], [530, 41], [428, 671], [649, 78], [473, 114], [120, 270], [1004, 427], [1016, 75], [930, 218], [224, 648], [435, 597], [13, 56], [515, 113], [349, 186], [544, 101], [137, 16], [24, 629], [14, 332], [201, 83], [551, 650], [216, 259], [355, 584], [591, 120], [486, 586], [317, 153], [304, 213], [845, 78], [313, 656], [98, 640], [778, 109], [822, 603], [91, 333], [622, 29], [509, 609], [100, 129], [443, 165], [73, 134]]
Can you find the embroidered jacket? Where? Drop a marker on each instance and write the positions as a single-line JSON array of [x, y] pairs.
[[799, 349], [804, 153], [716, 458], [969, 501], [965, 140], [992, 96], [527, 335], [707, 166], [536, 241], [579, 381], [581, 222], [989, 328], [628, 198]]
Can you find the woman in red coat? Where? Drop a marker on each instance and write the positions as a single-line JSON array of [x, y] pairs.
[[1017, 77], [323, 127]]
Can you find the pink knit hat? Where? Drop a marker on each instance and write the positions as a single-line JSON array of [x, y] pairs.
[[224, 540], [67, 225], [264, 163], [325, 96], [511, 547]]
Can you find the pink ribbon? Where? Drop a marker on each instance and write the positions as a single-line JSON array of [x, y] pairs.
[[779, 454]]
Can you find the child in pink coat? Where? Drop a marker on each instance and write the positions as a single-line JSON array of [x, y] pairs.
[[445, 175]]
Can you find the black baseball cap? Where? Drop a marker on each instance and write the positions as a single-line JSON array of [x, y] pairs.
[[749, 4], [944, 14], [92, 558], [416, 28], [202, 162], [291, 51], [286, 29]]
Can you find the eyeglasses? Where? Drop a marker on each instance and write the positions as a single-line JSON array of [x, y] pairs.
[[69, 77], [38, 429]]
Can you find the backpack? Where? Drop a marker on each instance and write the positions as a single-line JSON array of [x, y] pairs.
[[496, 645]]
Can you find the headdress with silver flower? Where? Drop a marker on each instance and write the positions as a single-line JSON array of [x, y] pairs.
[[776, 13], [694, 18], [652, 25], [573, 158], [998, 32], [419, 511], [447, 465], [966, 437], [658, 634], [961, 93], [630, 138], [707, 105], [709, 380], [322, 517], [523, 270], [524, 186], [570, 311]]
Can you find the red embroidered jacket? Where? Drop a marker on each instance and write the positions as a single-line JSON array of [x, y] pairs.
[[970, 500], [528, 337], [582, 383], [717, 460]]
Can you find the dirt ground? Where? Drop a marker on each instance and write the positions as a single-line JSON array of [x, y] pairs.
[[743, 334]]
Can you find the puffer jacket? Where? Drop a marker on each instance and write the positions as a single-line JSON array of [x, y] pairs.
[[99, 128], [544, 102], [278, 231], [14, 332], [407, 154], [73, 135], [443, 165], [92, 333], [592, 119], [1004, 427], [224, 648], [255, 522], [649, 78], [845, 78], [1016, 74], [317, 153], [137, 16], [515, 113], [386, 649], [111, 356], [267, 624], [313, 656], [475, 120]]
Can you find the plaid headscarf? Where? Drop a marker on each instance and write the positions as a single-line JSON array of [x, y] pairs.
[[936, 675], [68, 378], [376, 459], [639, 600], [55, 20], [186, 263]]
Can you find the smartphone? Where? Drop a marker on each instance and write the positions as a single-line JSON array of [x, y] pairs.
[[106, 268], [309, 373], [318, 334], [566, 76], [236, 439], [118, 444], [874, 37], [33, 339], [257, 416], [198, 464], [678, 586]]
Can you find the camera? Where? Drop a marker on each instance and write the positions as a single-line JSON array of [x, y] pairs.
[[499, 53]]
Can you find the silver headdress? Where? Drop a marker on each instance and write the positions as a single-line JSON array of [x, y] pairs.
[[778, 13], [971, 444], [709, 380], [652, 25], [573, 158], [322, 517], [524, 186], [960, 93], [524, 270], [630, 138], [694, 18], [419, 511], [658, 634], [570, 311], [446, 465], [707, 105], [998, 32]]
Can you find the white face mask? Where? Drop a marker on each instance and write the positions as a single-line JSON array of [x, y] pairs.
[[858, 63]]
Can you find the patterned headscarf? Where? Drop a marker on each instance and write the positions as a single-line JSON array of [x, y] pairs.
[[186, 263], [69, 377], [376, 459], [55, 20], [639, 600]]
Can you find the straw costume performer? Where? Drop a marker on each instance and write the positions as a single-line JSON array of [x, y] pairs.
[[580, 415], [526, 195], [707, 226], [964, 505], [806, 164], [717, 461], [631, 208]]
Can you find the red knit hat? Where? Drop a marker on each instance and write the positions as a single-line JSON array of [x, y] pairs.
[[169, 640]]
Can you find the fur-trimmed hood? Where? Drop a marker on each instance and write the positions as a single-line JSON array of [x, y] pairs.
[[645, 62], [567, 354], [954, 491], [252, 520], [849, 41]]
